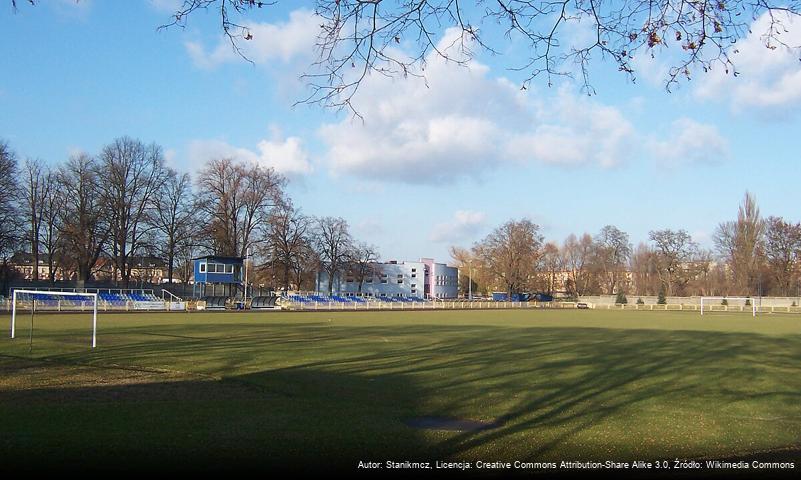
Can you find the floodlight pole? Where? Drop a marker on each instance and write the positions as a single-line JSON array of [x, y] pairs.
[[247, 256], [470, 281]]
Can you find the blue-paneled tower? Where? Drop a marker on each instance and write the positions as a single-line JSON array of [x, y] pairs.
[[218, 276]]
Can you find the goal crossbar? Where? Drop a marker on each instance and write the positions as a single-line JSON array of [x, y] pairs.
[[744, 299], [33, 293]]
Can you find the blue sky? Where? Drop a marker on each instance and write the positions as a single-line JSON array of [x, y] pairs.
[[430, 166]]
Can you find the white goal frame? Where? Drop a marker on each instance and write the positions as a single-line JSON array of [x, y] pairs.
[[48, 292], [753, 303]]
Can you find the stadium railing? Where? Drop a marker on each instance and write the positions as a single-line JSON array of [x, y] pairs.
[[108, 300]]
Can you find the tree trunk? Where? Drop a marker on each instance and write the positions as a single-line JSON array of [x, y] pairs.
[[35, 252]]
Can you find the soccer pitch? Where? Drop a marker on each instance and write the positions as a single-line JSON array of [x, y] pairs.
[[327, 390]]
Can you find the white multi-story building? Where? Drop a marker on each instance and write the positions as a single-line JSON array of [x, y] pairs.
[[421, 279]]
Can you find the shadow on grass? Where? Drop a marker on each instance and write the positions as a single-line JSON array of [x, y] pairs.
[[281, 419], [554, 393]]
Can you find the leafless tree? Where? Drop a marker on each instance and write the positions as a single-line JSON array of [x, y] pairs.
[[35, 188], [612, 250], [397, 38], [782, 250], [84, 227], [234, 201], [305, 268], [577, 254], [9, 208], [52, 242], [183, 262], [471, 270], [510, 253], [675, 252], [8, 197], [644, 276], [552, 263], [702, 274], [740, 243], [288, 243], [132, 172], [174, 216], [333, 244], [363, 257]]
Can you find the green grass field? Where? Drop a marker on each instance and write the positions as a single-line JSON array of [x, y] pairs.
[[306, 389]]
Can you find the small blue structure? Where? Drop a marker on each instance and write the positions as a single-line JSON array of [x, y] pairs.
[[522, 297], [504, 297], [218, 276]]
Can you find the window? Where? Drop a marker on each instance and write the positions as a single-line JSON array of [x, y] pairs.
[[414, 291], [229, 269], [400, 280], [414, 270], [414, 275], [383, 281], [400, 275], [414, 285], [202, 268]]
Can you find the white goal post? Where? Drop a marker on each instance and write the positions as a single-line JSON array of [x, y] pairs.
[[720, 299], [34, 293]]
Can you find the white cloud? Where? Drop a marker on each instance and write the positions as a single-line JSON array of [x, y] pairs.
[[287, 156], [575, 131], [461, 122], [370, 227], [464, 225], [170, 157], [689, 141], [769, 78], [283, 41], [653, 66]]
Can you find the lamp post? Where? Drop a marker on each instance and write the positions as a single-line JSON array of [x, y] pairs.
[[247, 256], [470, 280]]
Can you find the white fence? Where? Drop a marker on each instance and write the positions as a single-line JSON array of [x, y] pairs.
[[766, 307], [68, 306], [697, 308], [431, 305], [695, 300]]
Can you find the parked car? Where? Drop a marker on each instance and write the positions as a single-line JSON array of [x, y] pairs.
[[582, 305]]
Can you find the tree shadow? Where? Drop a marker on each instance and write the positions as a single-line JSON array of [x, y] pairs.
[[273, 420]]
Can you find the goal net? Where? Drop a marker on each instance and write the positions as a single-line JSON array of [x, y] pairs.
[[728, 304], [31, 301]]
